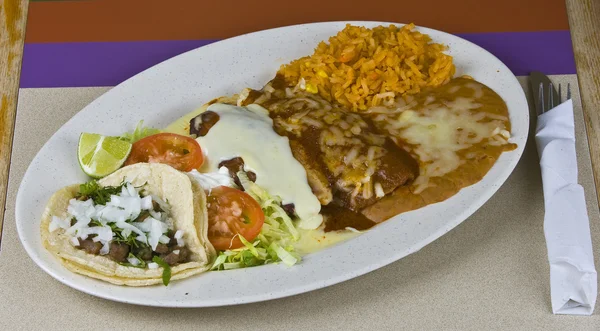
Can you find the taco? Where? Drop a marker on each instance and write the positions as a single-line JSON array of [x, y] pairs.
[[144, 224]]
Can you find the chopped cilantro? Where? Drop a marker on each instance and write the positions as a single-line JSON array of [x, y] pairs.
[[166, 276], [131, 240], [95, 223], [100, 195]]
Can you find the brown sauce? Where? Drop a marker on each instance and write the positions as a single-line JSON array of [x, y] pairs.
[[477, 159], [345, 157], [234, 166], [442, 188], [201, 124], [340, 218], [396, 171]]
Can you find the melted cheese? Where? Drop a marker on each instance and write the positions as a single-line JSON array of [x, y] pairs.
[[437, 131], [315, 240], [247, 132]]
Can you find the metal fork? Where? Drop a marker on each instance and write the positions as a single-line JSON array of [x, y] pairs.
[[546, 105]]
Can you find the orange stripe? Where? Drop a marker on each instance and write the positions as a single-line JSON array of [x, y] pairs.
[[118, 20]]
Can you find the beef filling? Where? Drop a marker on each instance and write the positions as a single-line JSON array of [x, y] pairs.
[[90, 246], [118, 252]]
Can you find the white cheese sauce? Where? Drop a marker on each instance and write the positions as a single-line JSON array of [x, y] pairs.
[[247, 132], [210, 180]]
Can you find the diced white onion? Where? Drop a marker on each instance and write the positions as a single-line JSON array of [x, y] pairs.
[[153, 265], [133, 261], [126, 226], [179, 237], [74, 241], [82, 211], [126, 232], [155, 214], [176, 252], [164, 239], [105, 248], [58, 223], [146, 203], [154, 228], [120, 209], [132, 191], [130, 206], [111, 214], [103, 233]]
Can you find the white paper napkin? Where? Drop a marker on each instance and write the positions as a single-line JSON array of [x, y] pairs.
[[573, 278]]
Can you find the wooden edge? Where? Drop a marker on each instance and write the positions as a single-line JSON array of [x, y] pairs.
[[12, 34], [584, 20]]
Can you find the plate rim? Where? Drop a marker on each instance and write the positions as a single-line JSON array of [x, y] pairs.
[[309, 286]]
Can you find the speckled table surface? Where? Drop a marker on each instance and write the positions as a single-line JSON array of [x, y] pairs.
[[489, 273]]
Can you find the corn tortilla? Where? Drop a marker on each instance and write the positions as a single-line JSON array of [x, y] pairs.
[[188, 213]]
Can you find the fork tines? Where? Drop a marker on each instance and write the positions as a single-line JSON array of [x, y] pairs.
[[549, 104]]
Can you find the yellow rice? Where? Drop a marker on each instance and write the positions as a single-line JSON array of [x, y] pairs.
[[361, 67]]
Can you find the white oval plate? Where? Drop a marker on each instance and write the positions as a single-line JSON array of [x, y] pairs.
[[177, 86]]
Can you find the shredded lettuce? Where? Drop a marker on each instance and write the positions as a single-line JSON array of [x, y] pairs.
[[139, 133], [271, 205], [274, 243]]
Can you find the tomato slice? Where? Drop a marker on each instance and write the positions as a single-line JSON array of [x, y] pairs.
[[232, 212], [181, 152]]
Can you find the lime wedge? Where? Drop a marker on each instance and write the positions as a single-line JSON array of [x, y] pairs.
[[99, 155]]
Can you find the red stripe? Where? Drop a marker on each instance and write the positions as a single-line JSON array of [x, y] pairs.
[[118, 20]]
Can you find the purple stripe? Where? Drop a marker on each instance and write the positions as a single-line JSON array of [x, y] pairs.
[[109, 63], [550, 52], [95, 63]]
